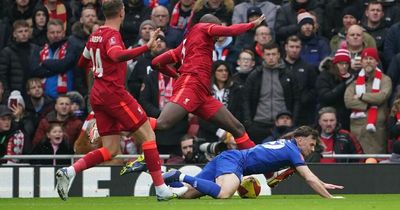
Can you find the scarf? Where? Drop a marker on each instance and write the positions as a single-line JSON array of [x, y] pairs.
[[174, 21], [164, 90], [259, 50], [220, 56], [59, 54], [372, 112], [59, 13]]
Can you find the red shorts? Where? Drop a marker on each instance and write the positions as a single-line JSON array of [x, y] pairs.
[[117, 112], [189, 94]]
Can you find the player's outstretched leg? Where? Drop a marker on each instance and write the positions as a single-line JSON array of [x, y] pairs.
[[204, 186], [65, 175]]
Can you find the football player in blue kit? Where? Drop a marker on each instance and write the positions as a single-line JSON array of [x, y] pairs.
[[221, 177]]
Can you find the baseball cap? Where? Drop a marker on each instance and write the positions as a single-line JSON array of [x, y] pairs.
[[4, 111], [253, 11], [284, 112]]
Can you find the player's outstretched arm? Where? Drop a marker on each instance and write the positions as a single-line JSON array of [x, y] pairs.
[[235, 29], [315, 183], [161, 62]]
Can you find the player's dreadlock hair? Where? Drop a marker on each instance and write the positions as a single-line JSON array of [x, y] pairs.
[[111, 8], [209, 18]]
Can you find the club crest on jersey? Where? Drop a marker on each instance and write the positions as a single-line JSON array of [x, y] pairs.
[[140, 110], [113, 41], [186, 101]]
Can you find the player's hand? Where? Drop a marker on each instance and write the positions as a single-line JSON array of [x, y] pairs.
[[258, 21], [153, 42], [332, 186]]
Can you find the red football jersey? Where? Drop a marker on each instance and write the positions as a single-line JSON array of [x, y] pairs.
[[195, 51], [109, 75]]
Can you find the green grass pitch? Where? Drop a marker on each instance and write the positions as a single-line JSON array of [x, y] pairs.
[[275, 202]]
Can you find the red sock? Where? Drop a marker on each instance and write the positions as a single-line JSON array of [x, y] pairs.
[[244, 142], [153, 123], [153, 161], [91, 159]]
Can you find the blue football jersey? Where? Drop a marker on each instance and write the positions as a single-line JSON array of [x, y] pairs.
[[272, 156]]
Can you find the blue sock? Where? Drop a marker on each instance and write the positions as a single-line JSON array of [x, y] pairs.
[[176, 184], [204, 186]]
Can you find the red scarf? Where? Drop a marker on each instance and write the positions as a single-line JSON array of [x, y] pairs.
[[372, 112], [225, 53], [259, 50], [164, 91], [175, 17], [58, 54]]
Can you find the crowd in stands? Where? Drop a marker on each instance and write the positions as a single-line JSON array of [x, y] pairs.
[[330, 64]]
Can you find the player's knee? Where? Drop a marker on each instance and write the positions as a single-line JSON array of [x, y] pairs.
[[163, 124], [224, 194]]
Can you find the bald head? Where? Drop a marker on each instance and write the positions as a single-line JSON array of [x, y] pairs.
[[209, 18], [354, 37], [160, 16]]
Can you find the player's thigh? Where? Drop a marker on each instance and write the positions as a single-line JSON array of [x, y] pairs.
[[129, 114], [208, 171], [228, 183], [208, 108], [106, 123]]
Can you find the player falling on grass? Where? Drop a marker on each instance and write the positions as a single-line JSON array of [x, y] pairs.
[[191, 92], [115, 109], [221, 177]]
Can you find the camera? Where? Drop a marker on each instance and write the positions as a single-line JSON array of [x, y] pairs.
[[203, 151]]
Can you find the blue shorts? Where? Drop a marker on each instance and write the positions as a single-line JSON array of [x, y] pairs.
[[228, 162]]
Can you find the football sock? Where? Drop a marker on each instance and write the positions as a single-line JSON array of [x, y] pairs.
[[91, 159], [244, 142], [202, 185], [152, 158], [153, 123]]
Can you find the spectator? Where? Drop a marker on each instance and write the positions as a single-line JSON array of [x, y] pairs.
[[40, 18], [242, 11], [335, 139], [58, 80], [262, 37], [314, 47], [12, 138], [2, 96], [375, 24], [283, 125], [228, 93], [333, 20], [58, 10], [54, 143], [225, 50], [392, 42], [394, 123], [242, 40], [143, 67], [305, 75], [78, 5], [286, 17], [368, 101], [173, 36], [18, 59], [146, 27], [350, 18], [190, 154], [181, 14], [394, 74], [355, 43], [282, 93], [246, 64], [62, 115], [135, 13], [77, 104], [331, 84], [222, 9]]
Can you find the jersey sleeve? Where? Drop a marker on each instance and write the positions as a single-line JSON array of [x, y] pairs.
[[114, 41], [296, 157], [232, 30]]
